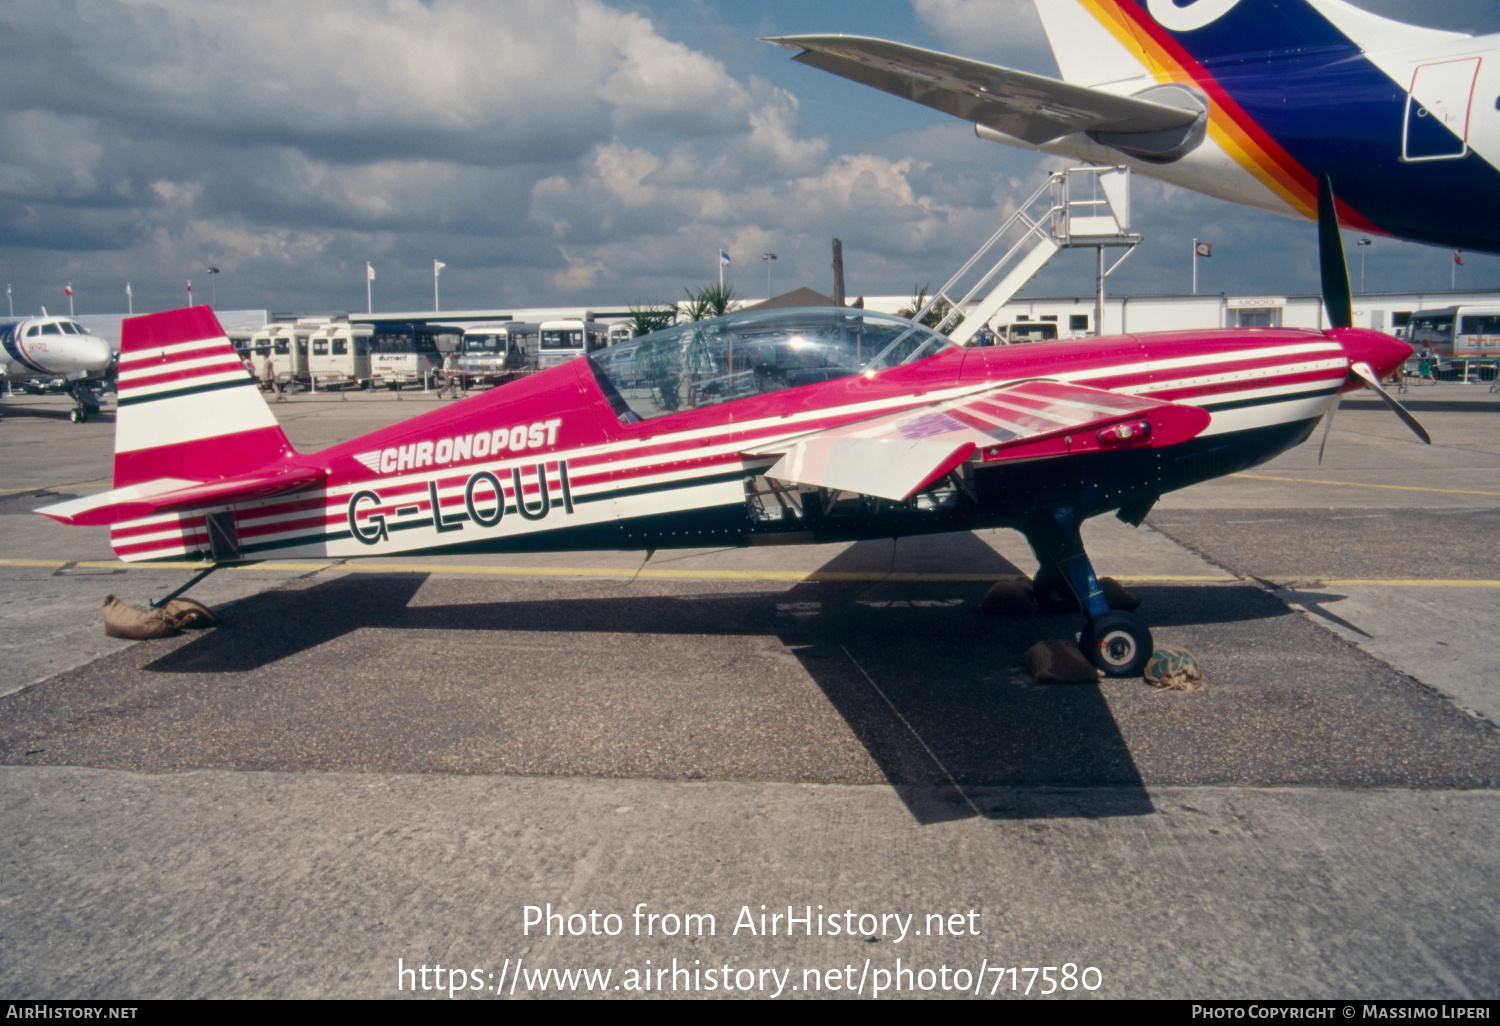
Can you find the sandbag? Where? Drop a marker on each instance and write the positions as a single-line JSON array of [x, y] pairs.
[[1174, 669], [190, 615], [1116, 595], [134, 623], [1007, 598], [1060, 662]]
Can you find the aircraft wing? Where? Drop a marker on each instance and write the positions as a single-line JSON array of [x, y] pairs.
[[896, 455], [170, 495], [1033, 108]]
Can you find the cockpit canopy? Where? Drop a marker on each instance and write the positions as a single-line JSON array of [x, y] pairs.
[[725, 358]]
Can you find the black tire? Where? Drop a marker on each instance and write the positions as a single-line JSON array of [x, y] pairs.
[[79, 415], [1118, 643], [1051, 591]]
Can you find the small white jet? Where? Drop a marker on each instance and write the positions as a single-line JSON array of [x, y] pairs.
[[48, 349]]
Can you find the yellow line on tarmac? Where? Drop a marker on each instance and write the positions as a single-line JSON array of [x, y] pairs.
[[1356, 484], [1377, 582]]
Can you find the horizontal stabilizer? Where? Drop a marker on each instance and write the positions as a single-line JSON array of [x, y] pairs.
[[896, 455], [170, 495], [1029, 107]]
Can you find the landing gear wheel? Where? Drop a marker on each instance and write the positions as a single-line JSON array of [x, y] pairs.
[[1052, 594], [1118, 643], [79, 415]]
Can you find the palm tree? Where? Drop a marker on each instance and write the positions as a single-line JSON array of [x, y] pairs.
[[646, 319], [933, 317], [711, 301]]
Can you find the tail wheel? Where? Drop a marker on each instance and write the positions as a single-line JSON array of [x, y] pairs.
[[1118, 643]]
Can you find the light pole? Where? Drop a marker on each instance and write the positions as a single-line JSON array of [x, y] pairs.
[[213, 288], [768, 257], [1362, 243]]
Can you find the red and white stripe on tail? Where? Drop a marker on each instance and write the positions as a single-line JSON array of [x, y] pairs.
[[192, 433], [187, 408]]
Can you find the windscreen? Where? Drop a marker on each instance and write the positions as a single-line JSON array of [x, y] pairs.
[[741, 355]]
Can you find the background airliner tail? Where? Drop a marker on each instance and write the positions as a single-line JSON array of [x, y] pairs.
[[187, 408], [1101, 41]]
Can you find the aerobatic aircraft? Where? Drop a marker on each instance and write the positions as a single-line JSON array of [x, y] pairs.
[[46, 349], [801, 425], [1252, 101]]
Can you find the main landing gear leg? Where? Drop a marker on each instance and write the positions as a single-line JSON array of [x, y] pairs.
[[1115, 641]]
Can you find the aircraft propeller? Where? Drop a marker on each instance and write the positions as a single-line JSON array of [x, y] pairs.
[[1338, 296]]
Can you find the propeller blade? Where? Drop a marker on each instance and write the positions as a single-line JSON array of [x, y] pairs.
[[1337, 294], [1363, 371], [1328, 425]]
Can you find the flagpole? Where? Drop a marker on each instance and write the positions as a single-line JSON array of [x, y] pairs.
[[129, 300], [721, 269], [369, 277], [1195, 267], [10, 301], [437, 269]]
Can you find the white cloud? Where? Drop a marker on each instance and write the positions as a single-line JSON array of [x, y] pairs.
[[1004, 32]]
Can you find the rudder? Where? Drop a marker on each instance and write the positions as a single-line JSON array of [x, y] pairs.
[[187, 408]]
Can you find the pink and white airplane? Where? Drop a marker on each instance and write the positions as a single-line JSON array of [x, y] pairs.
[[802, 425]]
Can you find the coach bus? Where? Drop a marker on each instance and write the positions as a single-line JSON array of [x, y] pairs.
[[497, 352], [563, 340], [1457, 335], [402, 353]]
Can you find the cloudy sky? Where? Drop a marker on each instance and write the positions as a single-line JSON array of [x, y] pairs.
[[550, 152]]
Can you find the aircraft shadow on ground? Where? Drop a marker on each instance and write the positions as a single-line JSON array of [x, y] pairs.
[[935, 692]]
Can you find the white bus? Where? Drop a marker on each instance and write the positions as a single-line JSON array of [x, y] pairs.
[[497, 352], [402, 353], [287, 346], [621, 331], [339, 356], [1457, 335], [563, 340]]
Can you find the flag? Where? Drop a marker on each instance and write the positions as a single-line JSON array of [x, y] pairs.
[[437, 267], [68, 289], [723, 258], [369, 272], [1457, 258], [1203, 249]]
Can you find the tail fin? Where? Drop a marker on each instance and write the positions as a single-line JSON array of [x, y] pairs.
[[1100, 41], [187, 408]]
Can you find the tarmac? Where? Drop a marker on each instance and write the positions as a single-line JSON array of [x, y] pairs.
[[372, 768]]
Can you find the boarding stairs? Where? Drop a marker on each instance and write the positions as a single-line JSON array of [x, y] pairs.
[[1076, 207]]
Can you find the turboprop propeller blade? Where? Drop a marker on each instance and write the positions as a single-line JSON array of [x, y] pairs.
[[1338, 296], [1367, 375]]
